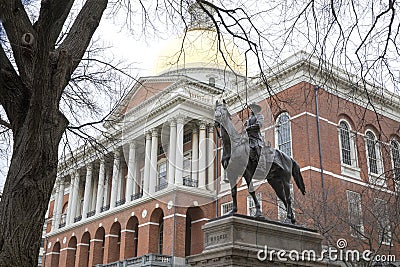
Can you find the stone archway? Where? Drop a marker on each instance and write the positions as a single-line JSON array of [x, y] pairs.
[[97, 247], [156, 241], [129, 238], [83, 250], [113, 243], [194, 236], [71, 252], [55, 255]]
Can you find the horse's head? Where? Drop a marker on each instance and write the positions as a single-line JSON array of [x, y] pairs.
[[221, 113]]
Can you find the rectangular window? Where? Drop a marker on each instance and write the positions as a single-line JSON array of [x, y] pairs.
[[187, 165], [162, 175], [251, 207], [281, 207], [187, 137], [383, 221], [226, 208], [355, 214]]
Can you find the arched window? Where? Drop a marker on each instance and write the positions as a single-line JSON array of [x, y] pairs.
[[375, 166], [283, 134], [372, 152], [395, 149], [345, 144]]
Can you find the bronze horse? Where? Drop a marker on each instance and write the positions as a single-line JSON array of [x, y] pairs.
[[235, 157]]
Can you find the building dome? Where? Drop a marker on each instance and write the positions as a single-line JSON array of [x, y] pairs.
[[200, 48]]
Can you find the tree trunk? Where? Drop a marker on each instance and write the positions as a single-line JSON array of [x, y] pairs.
[[29, 184]]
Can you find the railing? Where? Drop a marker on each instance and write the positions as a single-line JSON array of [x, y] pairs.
[[145, 260], [90, 213], [137, 195], [189, 182], [104, 208], [77, 219], [120, 202], [161, 186]]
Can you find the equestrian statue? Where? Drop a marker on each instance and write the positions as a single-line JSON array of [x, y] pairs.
[[245, 155]]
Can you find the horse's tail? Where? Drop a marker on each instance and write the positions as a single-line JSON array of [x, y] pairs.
[[298, 178]]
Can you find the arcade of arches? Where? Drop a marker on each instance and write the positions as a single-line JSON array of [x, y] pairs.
[[125, 237]]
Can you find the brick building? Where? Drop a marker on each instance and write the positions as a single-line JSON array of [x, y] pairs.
[[145, 194]]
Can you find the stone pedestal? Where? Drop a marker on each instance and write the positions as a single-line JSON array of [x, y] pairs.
[[240, 240]]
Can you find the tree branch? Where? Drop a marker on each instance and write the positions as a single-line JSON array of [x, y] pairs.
[[20, 32], [13, 93], [5, 123], [83, 29], [52, 18]]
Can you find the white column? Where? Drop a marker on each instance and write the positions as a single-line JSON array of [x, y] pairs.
[[131, 179], [179, 151], [59, 203], [172, 152], [146, 174], [153, 161], [210, 157], [100, 187], [70, 197], [75, 194], [195, 154], [107, 188], [55, 207], [88, 189], [202, 155], [115, 177], [93, 195]]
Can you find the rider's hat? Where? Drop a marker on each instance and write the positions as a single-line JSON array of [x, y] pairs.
[[255, 107]]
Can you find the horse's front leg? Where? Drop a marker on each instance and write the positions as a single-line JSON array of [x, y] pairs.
[[290, 214], [257, 204], [252, 192], [234, 200]]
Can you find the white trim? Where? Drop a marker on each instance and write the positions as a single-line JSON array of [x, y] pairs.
[[352, 180], [148, 223], [201, 220], [110, 235], [96, 240], [82, 244], [67, 248], [128, 230], [54, 253], [176, 214]]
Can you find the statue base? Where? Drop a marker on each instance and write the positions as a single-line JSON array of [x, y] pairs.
[[239, 240]]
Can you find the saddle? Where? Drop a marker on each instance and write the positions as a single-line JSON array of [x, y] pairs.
[[268, 156]]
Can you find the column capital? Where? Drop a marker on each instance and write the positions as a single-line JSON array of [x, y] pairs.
[[89, 167], [202, 125], [195, 129], [132, 143], [154, 132], [180, 118], [172, 122], [117, 153], [148, 135], [211, 128]]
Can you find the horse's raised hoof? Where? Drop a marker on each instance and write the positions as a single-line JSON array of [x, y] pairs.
[[258, 215], [232, 212], [288, 221]]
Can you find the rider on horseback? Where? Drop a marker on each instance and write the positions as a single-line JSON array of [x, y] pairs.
[[253, 126]]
